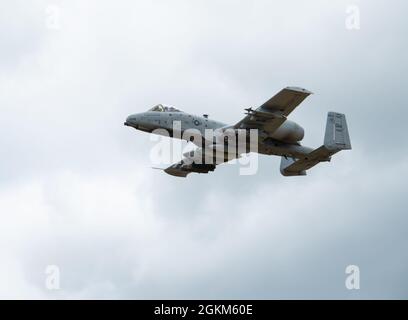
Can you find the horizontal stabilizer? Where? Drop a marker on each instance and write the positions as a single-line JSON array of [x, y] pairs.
[[336, 138], [287, 162]]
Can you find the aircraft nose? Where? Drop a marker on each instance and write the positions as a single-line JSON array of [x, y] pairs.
[[127, 122], [131, 120]]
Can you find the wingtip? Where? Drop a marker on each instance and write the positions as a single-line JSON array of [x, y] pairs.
[[299, 89]]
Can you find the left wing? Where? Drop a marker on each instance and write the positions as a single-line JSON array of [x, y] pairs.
[[273, 112], [182, 169], [200, 161]]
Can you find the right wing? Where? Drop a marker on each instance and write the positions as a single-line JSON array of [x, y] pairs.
[[273, 112]]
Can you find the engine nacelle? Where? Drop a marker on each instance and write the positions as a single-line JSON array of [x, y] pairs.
[[289, 132]]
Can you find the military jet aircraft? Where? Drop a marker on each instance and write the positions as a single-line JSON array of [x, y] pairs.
[[276, 134]]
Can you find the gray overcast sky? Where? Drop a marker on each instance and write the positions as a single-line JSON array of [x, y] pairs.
[[77, 191]]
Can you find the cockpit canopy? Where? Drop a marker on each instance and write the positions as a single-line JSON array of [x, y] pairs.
[[164, 108]]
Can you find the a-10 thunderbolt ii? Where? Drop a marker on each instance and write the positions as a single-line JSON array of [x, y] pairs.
[[276, 135]]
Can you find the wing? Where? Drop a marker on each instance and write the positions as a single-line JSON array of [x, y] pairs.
[[200, 161], [182, 169], [273, 112]]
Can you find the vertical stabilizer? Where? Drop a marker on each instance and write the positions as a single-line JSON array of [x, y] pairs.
[[336, 136]]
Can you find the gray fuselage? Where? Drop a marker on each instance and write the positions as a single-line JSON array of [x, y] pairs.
[[282, 142]]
